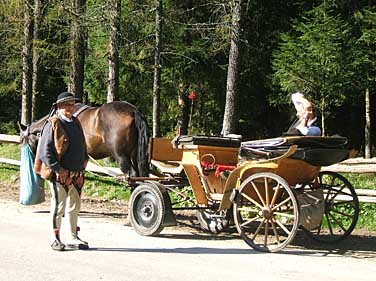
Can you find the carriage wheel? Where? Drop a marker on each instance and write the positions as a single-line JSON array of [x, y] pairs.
[[266, 212], [147, 209], [214, 222], [341, 209]]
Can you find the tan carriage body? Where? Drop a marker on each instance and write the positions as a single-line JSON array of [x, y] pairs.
[[261, 190], [206, 185]]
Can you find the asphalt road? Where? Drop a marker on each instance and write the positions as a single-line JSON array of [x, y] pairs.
[[118, 253]]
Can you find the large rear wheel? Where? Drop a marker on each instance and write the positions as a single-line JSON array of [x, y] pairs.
[[341, 209], [266, 212]]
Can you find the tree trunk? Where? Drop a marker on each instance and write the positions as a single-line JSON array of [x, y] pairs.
[[367, 127], [157, 68], [36, 58], [77, 48], [27, 64], [183, 118], [230, 116], [113, 62]]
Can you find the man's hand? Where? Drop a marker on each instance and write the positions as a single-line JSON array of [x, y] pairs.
[[62, 175]]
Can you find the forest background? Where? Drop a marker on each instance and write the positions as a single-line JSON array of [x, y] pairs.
[[187, 63]]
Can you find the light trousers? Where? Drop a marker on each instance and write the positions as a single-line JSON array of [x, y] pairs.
[[65, 201]]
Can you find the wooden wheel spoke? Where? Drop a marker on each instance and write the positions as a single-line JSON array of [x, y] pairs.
[[283, 227], [284, 214], [251, 200], [329, 223], [344, 192], [342, 213], [248, 209], [266, 186], [281, 203], [258, 193], [327, 194], [342, 203], [275, 195], [266, 233], [258, 229], [338, 192], [339, 223], [250, 221], [275, 231]]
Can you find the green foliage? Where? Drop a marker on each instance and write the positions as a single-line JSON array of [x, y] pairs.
[[105, 187], [363, 62], [315, 55], [362, 181], [8, 173], [367, 216], [183, 197], [11, 151], [312, 57]]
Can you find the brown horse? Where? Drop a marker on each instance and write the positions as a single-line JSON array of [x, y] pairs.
[[116, 129]]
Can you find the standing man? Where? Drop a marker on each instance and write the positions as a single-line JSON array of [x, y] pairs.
[[306, 124], [62, 159]]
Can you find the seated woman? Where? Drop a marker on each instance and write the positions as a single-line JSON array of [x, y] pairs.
[[306, 124]]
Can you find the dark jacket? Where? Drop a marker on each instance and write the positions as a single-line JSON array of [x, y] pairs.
[[62, 145]]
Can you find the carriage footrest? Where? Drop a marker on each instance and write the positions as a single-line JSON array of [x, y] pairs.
[[169, 167]]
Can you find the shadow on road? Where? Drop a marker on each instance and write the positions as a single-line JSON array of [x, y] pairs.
[[188, 228], [190, 250], [361, 246]]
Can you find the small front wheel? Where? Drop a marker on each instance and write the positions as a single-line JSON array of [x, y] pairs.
[[266, 212], [147, 209]]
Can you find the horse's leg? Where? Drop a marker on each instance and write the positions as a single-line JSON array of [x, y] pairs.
[[125, 164], [134, 165]]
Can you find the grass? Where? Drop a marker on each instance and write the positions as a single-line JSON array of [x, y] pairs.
[[111, 189], [95, 185], [362, 181], [10, 150], [105, 187]]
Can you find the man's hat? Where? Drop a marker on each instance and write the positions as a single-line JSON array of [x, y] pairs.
[[64, 97]]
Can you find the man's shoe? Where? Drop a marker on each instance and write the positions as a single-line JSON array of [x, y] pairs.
[[78, 244], [57, 246]]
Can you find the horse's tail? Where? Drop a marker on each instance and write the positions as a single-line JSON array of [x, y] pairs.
[[143, 142]]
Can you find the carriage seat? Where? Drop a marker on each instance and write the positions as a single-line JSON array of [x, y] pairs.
[[164, 156], [315, 150], [225, 141]]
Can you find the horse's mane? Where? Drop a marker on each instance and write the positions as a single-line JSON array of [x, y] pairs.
[[37, 126]]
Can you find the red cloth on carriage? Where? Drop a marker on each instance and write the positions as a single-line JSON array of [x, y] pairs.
[[218, 168], [222, 168]]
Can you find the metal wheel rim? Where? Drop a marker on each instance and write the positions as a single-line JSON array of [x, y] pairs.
[[270, 221], [146, 210]]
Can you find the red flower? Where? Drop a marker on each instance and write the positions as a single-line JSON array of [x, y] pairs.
[[192, 95]]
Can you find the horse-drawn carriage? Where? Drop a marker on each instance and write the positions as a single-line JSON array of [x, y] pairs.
[[269, 189]]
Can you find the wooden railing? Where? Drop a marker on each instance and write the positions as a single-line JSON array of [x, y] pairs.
[[353, 165], [91, 167]]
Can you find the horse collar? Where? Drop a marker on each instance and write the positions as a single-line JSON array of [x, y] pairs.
[[82, 108]]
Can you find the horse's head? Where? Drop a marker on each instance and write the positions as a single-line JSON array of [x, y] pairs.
[[30, 133]]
